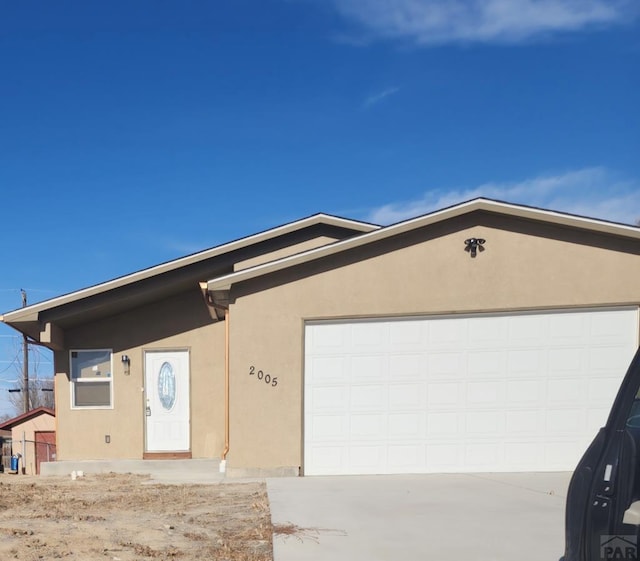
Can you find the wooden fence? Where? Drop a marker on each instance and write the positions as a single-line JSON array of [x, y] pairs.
[[6, 453]]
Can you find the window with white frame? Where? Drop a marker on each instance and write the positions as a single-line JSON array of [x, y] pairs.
[[91, 380]]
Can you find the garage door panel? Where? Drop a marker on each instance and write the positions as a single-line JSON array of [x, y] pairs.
[[560, 454], [527, 331], [405, 396], [566, 329], [366, 459], [482, 364], [406, 425], [521, 456], [607, 358], [328, 399], [568, 392], [368, 367], [406, 367], [491, 393], [601, 390], [327, 370], [567, 360], [485, 423], [368, 427], [564, 421], [442, 364], [333, 339], [328, 428], [445, 395], [482, 456], [523, 422], [616, 326], [328, 459], [368, 397], [525, 362], [408, 335], [402, 458], [445, 335], [486, 332], [482, 393], [369, 336], [441, 425], [525, 392]]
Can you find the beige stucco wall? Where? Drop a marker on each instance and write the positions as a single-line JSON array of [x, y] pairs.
[[180, 322], [27, 430], [523, 267]]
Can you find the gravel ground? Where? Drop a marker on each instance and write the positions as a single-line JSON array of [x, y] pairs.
[[126, 518]]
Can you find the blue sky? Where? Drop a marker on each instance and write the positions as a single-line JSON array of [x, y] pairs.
[[132, 133]]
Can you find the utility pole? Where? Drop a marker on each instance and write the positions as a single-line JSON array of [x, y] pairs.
[[25, 362]]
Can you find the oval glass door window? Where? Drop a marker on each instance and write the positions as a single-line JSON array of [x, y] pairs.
[[167, 386]]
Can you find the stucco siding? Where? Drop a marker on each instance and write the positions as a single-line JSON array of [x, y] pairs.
[[180, 322], [525, 266]]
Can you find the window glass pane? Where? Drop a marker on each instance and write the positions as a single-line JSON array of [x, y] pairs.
[[94, 394], [88, 365]]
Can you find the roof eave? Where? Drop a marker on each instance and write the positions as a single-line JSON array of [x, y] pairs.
[[31, 313], [225, 282]]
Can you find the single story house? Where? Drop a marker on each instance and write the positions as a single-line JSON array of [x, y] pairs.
[[482, 337], [33, 437]]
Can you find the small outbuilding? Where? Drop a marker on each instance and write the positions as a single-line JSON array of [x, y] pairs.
[[33, 437], [486, 336], [5, 446]]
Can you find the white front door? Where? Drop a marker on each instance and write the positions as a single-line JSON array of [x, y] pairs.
[[167, 401]]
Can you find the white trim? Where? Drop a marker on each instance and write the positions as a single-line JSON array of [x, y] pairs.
[[466, 315], [73, 381], [327, 219], [226, 281]]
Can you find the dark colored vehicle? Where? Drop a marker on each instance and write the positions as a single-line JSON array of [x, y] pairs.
[[603, 501]]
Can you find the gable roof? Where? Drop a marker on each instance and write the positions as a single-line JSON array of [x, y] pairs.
[[225, 282], [30, 314], [8, 425]]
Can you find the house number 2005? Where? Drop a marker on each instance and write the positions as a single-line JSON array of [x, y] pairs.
[[266, 378]]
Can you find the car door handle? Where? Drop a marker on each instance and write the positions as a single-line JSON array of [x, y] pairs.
[[632, 514]]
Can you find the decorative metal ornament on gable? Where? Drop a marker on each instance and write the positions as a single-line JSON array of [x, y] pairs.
[[473, 245], [167, 386]]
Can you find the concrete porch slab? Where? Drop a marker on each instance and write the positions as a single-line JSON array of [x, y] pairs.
[[161, 471]]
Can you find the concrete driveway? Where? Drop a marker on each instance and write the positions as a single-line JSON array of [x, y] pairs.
[[484, 517]]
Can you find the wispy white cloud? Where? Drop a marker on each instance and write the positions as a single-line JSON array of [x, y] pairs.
[[427, 22], [378, 97], [595, 192]]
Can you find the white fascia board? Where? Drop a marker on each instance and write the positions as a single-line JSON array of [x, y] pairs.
[[540, 215], [30, 313]]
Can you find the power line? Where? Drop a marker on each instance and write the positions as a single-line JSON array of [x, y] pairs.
[[12, 363]]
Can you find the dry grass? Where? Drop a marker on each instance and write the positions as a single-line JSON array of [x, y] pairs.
[[301, 534], [118, 518]]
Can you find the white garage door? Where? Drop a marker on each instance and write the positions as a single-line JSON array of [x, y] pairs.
[[523, 392]]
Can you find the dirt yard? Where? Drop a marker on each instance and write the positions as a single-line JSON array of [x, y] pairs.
[[125, 518]]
